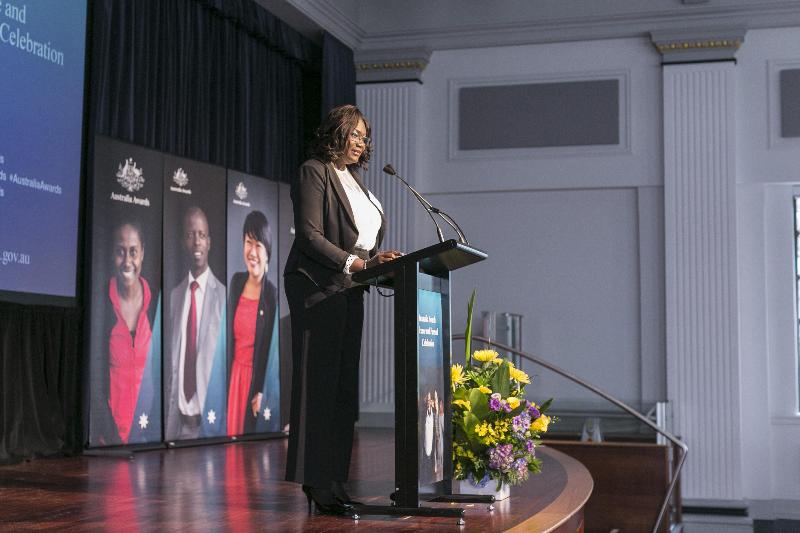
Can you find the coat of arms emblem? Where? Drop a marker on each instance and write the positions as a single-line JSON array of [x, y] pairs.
[[130, 176], [241, 191], [180, 178]]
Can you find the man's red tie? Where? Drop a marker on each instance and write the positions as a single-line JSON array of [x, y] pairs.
[[190, 361]]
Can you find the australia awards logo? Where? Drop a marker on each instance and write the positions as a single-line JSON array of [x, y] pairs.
[[181, 180], [241, 191], [241, 195], [130, 177]]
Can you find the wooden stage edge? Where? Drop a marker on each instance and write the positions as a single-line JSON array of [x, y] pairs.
[[239, 487]]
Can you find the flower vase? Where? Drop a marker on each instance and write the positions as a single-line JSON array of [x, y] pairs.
[[466, 487]]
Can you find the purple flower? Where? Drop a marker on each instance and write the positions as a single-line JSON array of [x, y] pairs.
[[521, 466], [520, 424], [530, 447], [495, 404], [534, 412], [478, 483], [501, 457], [507, 408]]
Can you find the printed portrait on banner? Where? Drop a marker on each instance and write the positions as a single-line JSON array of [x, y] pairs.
[[125, 309], [195, 363], [254, 387]]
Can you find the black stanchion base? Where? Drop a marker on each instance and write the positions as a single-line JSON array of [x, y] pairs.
[[466, 498], [393, 510], [463, 498], [123, 452]]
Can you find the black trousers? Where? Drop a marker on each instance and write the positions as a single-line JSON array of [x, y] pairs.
[[326, 347]]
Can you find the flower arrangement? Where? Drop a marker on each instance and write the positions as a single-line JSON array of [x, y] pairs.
[[495, 429]]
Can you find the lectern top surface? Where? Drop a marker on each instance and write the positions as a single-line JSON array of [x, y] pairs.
[[435, 260]]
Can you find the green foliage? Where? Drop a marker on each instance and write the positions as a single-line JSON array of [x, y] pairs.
[[491, 437], [545, 406], [501, 380], [479, 402], [468, 331]]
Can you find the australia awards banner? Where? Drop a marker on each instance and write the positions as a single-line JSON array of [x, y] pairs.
[[431, 393], [195, 346], [125, 318], [185, 310], [253, 338]]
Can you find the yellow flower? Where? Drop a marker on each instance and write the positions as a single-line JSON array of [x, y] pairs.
[[485, 390], [463, 403], [519, 375], [540, 424], [485, 356], [457, 375], [513, 402], [492, 433]]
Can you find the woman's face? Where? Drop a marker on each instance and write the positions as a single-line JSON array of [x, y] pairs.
[[355, 144], [255, 257], [128, 255]]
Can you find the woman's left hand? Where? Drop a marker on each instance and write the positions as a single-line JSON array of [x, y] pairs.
[[255, 404], [383, 256]]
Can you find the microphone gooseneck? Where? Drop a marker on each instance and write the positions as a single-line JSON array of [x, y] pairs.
[[389, 169]]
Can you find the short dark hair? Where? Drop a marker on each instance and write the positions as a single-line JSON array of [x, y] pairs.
[[132, 223], [256, 226], [193, 210], [330, 138]]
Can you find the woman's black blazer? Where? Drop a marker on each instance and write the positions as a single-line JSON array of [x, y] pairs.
[[325, 229], [264, 325]]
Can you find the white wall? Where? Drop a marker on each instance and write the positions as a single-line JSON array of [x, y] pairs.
[[574, 236], [769, 170]]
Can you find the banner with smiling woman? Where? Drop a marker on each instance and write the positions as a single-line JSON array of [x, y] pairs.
[[125, 315], [253, 350]]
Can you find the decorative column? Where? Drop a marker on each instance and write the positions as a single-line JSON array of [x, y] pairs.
[[700, 234], [389, 94]]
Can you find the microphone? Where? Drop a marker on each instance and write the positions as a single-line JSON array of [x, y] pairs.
[[389, 169]]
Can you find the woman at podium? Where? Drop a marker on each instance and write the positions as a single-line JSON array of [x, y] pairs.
[[339, 225]]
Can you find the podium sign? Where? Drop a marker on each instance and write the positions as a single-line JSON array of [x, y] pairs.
[[423, 432]]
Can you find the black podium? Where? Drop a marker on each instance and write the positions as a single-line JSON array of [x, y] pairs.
[[423, 434]]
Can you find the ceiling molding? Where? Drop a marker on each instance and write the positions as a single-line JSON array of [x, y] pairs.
[[349, 21], [396, 64], [621, 25], [330, 18], [698, 44]]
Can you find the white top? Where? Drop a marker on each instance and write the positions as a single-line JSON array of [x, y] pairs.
[[190, 408], [367, 210]]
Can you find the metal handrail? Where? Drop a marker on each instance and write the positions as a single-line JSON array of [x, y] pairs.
[[622, 405]]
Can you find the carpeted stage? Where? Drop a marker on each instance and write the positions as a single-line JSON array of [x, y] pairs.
[[239, 487]]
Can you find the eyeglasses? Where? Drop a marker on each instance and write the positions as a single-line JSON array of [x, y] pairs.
[[356, 138]]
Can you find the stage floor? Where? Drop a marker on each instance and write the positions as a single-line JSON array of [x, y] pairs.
[[234, 487]]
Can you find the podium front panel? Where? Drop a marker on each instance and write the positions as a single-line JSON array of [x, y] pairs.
[[434, 433]]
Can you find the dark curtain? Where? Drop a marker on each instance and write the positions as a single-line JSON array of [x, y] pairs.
[[338, 74], [216, 80], [40, 381]]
